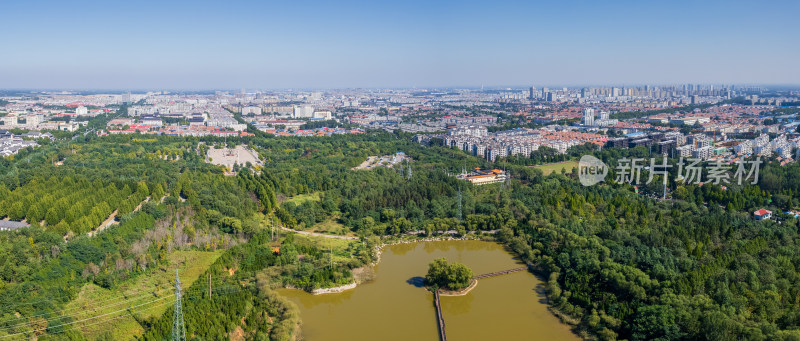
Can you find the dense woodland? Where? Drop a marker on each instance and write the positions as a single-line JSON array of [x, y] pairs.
[[619, 263]]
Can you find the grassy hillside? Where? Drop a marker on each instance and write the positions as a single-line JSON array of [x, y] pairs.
[[96, 301]]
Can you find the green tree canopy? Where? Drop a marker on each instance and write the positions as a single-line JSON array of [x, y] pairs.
[[454, 276]]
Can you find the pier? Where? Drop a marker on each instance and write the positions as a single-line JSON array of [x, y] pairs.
[[437, 304], [498, 273]]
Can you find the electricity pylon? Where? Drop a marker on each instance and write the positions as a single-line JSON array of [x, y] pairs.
[[178, 328], [459, 204]]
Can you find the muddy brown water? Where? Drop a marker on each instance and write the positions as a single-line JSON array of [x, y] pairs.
[[395, 307]]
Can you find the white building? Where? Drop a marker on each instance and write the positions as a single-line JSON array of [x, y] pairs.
[[302, 111], [703, 153], [251, 110], [685, 150], [323, 114], [588, 117]]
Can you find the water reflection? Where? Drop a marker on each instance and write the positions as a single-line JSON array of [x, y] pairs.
[[457, 305], [395, 306], [402, 249]]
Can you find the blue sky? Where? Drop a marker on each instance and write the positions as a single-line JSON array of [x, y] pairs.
[[309, 44]]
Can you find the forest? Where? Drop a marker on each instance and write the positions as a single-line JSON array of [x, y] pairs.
[[618, 261]]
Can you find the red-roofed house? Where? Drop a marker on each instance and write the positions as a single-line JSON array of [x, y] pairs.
[[762, 214]]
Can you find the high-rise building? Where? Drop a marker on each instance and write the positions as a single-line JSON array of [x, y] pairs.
[[532, 94], [588, 117], [304, 111]]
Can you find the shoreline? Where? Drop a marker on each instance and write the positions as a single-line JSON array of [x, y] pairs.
[[473, 283], [379, 249], [334, 290], [371, 266], [532, 268], [378, 252]]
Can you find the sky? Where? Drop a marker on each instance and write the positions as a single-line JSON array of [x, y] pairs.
[[236, 44]]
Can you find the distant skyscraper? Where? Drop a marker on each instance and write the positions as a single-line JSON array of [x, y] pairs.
[[588, 117], [533, 93]]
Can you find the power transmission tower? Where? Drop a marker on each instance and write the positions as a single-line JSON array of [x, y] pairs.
[[459, 204], [409, 170], [178, 328]]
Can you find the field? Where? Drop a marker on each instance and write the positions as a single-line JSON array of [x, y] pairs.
[[94, 301], [343, 249], [301, 198], [332, 227], [557, 167]]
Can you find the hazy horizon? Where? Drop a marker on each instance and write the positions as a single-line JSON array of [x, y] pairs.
[[204, 45], [486, 88]]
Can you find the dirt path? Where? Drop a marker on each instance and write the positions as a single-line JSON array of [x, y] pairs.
[[317, 234], [368, 162], [108, 222], [111, 219]]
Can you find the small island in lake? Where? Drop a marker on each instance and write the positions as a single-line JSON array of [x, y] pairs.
[[441, 275]]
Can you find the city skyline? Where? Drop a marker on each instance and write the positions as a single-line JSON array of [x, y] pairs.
[[203, 45]]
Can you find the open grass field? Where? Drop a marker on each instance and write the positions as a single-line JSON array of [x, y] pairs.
[[98, 304], [557, 167], [342, 248], [300, 198], [332, 227]]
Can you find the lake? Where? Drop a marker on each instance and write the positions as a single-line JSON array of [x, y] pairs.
[[394, 307]]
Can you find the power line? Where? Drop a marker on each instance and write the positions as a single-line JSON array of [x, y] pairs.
[[126, 298], [111, 319], [178, 327], [219, 279], [85, 312], [87, 319], [115, 318]]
